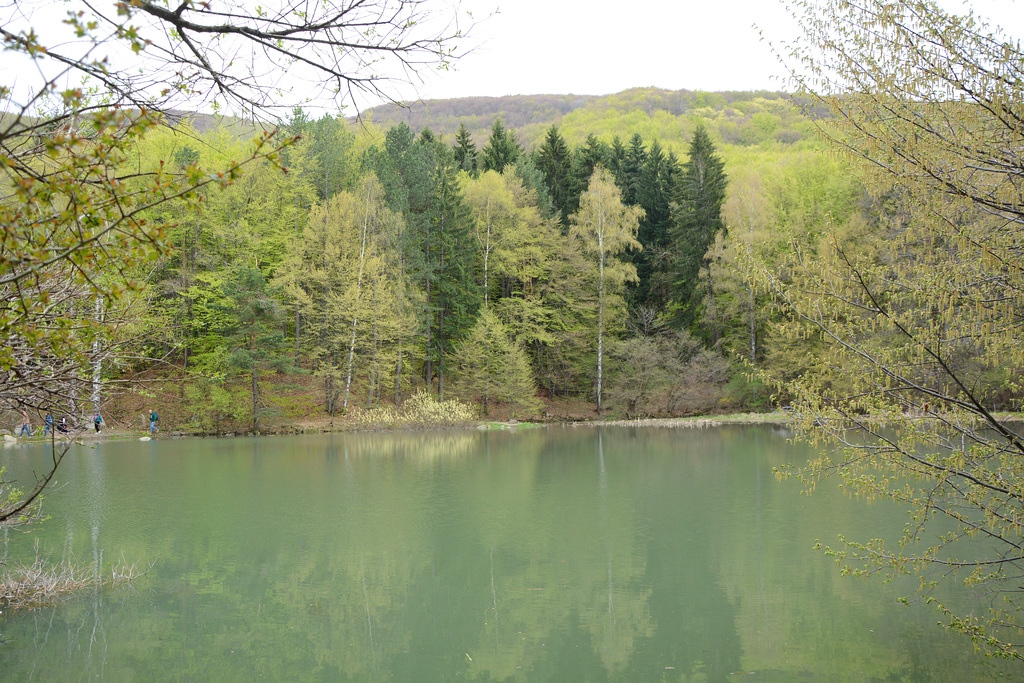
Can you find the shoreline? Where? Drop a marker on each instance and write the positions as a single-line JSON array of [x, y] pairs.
[[301, 429], [338, 427]]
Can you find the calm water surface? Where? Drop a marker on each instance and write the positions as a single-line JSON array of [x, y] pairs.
[[547, 555]]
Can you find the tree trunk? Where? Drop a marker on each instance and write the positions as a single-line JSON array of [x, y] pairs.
[[97, 363], [298, 323], [329, 395], [255, 403], [359, 297], [428, 367], [398, 375], [753, 330], [487, 251], [600, 316]]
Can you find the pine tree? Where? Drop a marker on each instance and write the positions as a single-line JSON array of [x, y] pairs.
[[533, 180], [585, 159], [407, 171], [697, 222], [631, 169], [464, 151], [555, 162], [427, 137], [333, 145], [450, 258], [502, 149], [254, 338], [654, 265]]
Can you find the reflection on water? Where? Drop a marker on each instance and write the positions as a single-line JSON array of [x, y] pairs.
[[559, 554]]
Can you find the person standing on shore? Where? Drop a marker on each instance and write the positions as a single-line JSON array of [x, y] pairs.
[[97, 421], [26, 426], [153, 418], [48, 425]]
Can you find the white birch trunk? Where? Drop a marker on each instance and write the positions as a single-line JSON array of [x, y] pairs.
[[487, 250], [97, 362], [600, 303], [359, 294]]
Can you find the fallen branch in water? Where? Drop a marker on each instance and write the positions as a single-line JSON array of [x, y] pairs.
[[41, 584]]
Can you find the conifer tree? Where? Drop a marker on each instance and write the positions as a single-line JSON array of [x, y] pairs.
[[533, 180], [654, 265], [697, 221], [555, 162], [502, 149], [452, 296], [407, 172], [427, 137], [631, 168], [464, 151], [254, 338], [585, 159], [332, 146], [616, 158]]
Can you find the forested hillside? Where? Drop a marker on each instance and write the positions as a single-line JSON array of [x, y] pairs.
[[596, 264], [734, 118]]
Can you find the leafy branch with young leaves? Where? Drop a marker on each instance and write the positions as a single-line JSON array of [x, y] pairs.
[[916, 312], [247, 59]]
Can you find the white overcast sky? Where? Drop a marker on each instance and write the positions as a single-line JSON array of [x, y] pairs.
[[533, 47], [599, 47], [595, 47]]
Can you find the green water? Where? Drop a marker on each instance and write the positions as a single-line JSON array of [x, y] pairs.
[[547, 555]]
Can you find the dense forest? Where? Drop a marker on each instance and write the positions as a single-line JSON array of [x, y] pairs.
[[601, 268], [604, 271]]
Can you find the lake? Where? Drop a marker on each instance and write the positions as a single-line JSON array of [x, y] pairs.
[[551, 554]]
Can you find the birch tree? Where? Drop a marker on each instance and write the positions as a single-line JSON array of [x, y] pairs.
[[375, 222], [345, 277], [493, 211], [737, 309], [603, 228]]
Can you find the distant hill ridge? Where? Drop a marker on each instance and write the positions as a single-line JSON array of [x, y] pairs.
[[516, 111], [734, 118], [740, 117]]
